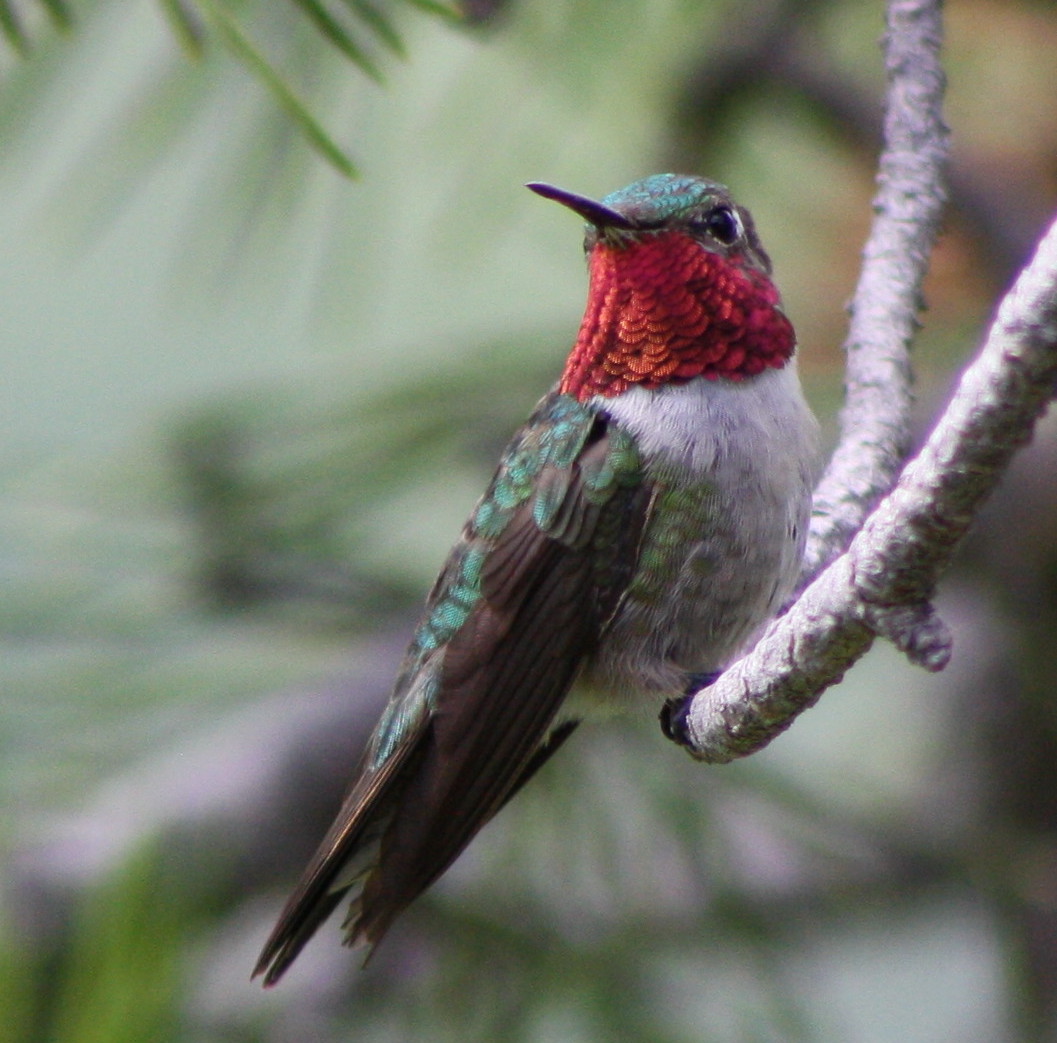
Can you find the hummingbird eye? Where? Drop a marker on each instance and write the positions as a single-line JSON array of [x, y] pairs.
[[722, 223]]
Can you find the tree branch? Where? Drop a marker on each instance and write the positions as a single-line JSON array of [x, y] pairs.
[[883, 584], [875, 422]]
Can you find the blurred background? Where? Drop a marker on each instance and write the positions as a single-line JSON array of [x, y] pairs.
[[246, 404]]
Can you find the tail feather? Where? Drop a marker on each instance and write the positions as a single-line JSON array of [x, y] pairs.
[[291, 935], [340, 867]]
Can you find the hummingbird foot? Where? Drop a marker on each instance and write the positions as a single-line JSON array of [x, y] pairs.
[[675, 710]]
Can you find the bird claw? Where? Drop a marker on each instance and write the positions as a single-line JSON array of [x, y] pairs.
[[675, 711]]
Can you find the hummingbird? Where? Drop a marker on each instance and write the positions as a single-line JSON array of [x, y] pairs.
[[642, 526]]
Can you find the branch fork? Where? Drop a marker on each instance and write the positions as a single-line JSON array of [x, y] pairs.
[[875, 556]]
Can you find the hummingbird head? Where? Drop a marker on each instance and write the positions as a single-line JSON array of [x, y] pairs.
[[680, 288], [701, 209]]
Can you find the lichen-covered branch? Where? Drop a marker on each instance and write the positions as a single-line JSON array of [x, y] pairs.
[[883, 584], [875, 422]]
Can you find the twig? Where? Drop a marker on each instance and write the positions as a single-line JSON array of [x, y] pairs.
[[875, 422]]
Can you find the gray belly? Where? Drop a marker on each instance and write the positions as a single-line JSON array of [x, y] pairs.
[[733, 467]]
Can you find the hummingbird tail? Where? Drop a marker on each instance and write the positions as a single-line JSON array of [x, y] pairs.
[[291, 936]]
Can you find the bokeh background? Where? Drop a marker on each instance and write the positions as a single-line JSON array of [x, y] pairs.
[[246, 404]]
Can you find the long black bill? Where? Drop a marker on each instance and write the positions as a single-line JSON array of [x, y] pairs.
[[598, 214]]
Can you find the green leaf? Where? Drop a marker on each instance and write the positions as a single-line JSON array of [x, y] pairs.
[[243, 48], [372, 16], [437, 8], [338, 35], [121, 974], [59, 12], [185, 24], [11, 27], [21, 974]]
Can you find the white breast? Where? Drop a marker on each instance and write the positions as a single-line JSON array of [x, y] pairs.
[[706, 426]]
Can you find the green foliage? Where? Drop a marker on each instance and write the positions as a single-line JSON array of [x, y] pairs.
[[13, 22], [119, 978], [21, 987], [244, 49], [185, 24], [354, 29]]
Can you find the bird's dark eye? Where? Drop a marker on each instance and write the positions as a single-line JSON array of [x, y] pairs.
[[722, 224]]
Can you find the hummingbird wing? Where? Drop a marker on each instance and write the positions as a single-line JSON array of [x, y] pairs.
[[522, 600]]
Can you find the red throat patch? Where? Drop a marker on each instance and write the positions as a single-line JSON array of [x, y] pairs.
[[664, 310]]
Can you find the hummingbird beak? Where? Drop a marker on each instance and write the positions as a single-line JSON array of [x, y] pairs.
[[598, 214]]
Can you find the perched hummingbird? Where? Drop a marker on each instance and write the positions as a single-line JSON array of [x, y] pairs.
[[642, 526]]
